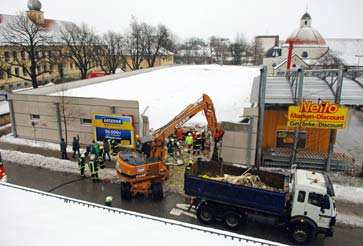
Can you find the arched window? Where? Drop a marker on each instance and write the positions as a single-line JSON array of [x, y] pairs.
[[305, 54]]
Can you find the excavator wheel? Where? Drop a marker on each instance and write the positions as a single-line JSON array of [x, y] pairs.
[[157, 191], [126, 191]]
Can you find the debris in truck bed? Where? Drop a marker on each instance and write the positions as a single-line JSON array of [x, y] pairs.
[[245, 179]]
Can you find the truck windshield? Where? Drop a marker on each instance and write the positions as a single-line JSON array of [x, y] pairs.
[[329, 186]]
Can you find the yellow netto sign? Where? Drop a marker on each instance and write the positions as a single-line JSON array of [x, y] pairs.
[[317, 115]]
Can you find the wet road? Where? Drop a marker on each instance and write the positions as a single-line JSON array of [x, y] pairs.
[[46, 180]]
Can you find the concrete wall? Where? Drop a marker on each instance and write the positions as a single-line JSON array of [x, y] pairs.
[[239, 141], [47, 127]]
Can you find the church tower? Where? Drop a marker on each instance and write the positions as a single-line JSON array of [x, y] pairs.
[[34, 13], [305, 20]]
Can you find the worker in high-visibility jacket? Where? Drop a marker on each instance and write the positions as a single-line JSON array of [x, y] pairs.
[[82, 163], [92, 164], [189, 141]]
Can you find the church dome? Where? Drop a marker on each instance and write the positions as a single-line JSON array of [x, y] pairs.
[[306, 34], [34, 5]]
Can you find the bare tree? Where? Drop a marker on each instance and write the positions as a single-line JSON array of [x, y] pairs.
[[135, 45], [109, 52], [330, 60], [81, 42], [30, 49], [157, 42], [238, 49]]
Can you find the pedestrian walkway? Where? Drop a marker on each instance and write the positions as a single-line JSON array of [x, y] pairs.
[[44, 152]]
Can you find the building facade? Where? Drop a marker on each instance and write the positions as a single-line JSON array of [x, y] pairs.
[[62, 70], [309, 50]]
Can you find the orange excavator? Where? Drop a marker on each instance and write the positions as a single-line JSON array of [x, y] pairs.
[[140, 175]]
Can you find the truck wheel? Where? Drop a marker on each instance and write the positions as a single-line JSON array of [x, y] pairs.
[[157, 191], [205, 214], [232, 220], [126, 191], [301, 234]]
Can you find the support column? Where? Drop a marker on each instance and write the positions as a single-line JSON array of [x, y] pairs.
[[12, 118], [300, 85], [333, 132], [261, 116]]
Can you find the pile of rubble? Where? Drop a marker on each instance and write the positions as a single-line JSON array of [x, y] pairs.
[[246, 179]]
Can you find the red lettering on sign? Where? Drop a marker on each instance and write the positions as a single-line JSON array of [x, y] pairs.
[[326, 107]]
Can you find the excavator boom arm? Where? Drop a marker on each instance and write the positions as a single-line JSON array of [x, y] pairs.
[[206, 105]]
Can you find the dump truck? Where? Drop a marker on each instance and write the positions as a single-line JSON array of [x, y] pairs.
[[302, 201], [140, 175]]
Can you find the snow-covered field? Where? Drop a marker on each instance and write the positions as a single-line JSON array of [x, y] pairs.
[[28, 218], [167, 91]]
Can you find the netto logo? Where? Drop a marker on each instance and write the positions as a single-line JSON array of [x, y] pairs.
[[326, 107]]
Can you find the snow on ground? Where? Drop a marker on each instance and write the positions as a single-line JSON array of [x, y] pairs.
[[349, 193], [53, 164], [168, 91], [56, 220], [9, 138], [4, 107], [350, 220]]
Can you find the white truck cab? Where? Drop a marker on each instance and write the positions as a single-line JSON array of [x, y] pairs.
[[312, 205]]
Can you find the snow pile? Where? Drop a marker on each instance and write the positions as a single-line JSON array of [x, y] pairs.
[[168, 91], [56, 220], [9, 138], [349, 193], [4, 108], [54, 164], [350, 220]]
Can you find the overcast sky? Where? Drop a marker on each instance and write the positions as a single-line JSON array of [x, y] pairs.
[[203, 18]]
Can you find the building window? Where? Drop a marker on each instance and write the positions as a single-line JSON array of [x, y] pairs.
[[86, 121], [16, 71], [35, 117], [285, 139], [7, 56], [23, 55], [15, 55], [305, 54]]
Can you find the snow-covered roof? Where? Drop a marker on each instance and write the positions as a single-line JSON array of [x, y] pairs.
[[278, 91], [167, 91], [47, 219], [348, 50]]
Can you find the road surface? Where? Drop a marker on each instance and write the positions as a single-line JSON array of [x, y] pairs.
[[46, 180]]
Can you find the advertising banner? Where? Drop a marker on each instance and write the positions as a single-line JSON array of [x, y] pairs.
[[313, 115], [115, 127]]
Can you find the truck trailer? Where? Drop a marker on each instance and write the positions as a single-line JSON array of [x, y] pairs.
[[302, 201]]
